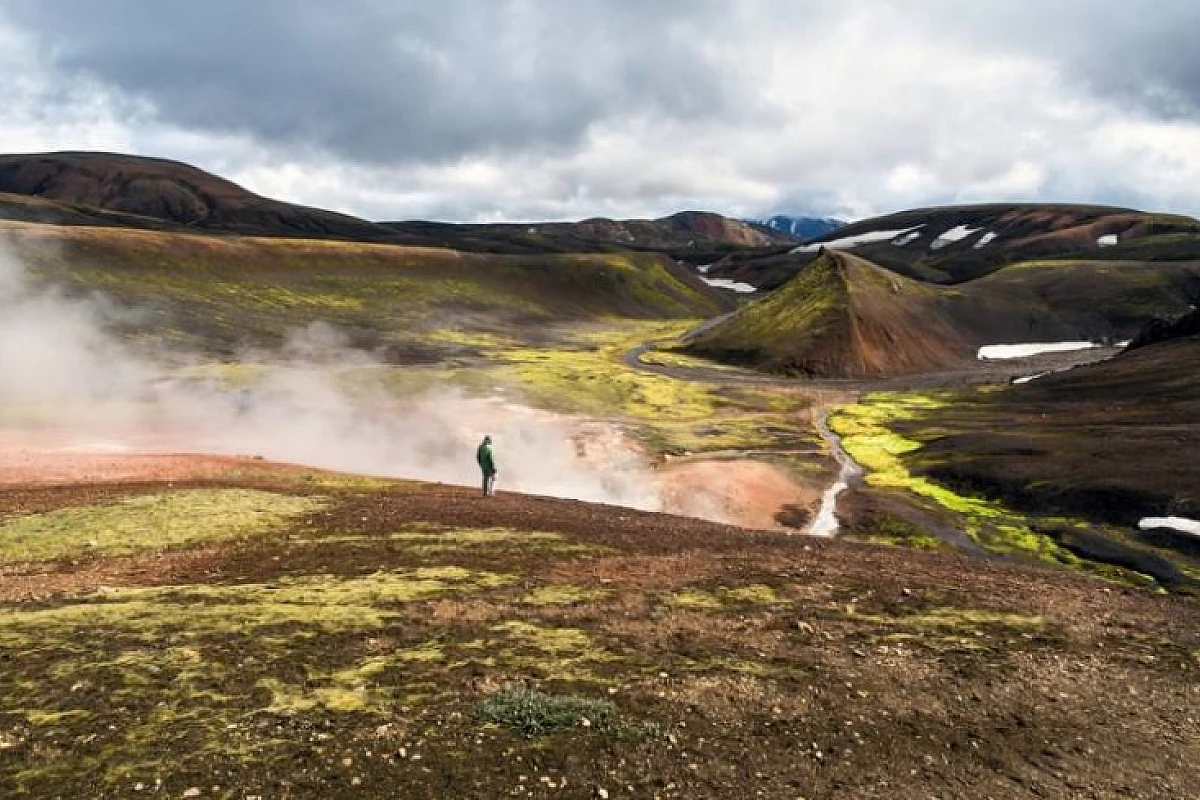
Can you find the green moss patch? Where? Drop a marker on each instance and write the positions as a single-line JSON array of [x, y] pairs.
[[149, 523], [704, 600], [867, 437], [300, 606], [546, 652], [563, 595]]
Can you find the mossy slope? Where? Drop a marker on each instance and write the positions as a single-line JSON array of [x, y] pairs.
[[840, 316]]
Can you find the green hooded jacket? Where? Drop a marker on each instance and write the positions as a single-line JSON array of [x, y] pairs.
[[486, 459]]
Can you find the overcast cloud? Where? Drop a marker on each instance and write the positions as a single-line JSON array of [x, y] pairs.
[[537, 109]]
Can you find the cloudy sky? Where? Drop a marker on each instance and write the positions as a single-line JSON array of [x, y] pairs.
[[480, 110]]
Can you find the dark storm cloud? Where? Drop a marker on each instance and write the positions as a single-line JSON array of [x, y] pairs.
[[378, 81], [531, 109]]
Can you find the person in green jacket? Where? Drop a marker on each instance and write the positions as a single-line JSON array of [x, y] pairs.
[[487, 463]]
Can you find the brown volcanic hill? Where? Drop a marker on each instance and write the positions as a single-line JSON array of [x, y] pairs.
[[685, 229], [698, 236], [1162, 330], [841, 317], [953, 244], [147, 192], [79, 188], [1110, 442]]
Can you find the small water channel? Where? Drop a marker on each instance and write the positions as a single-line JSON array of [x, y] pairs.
[[825, 523]]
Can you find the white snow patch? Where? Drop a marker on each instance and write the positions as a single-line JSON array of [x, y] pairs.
[[1108, 240], [723, 283], [999, 352], [951, 236], [855, 240], [1030, 378], [907, 238], [704, 268], [1181, 524], [986, 239]]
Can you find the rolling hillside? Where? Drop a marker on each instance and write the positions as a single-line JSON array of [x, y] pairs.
[[82, 188], [157, 192], [954, 244], [840, 317], [221, 293], [693, 235]]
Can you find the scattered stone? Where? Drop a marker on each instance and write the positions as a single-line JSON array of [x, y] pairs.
[[192, 792], [601, 792]]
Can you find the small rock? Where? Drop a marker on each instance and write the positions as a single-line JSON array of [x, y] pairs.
[[601, 792], [192, 792], [137, 787]]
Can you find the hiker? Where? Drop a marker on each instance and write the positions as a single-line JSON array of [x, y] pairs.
[[487, 463]]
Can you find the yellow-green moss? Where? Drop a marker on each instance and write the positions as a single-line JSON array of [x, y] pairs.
[[560, 653], [563, 595], [150, 522], [696, 599], [968, 619], [301, 606], [355, 688], [880, 451], [755, 594]]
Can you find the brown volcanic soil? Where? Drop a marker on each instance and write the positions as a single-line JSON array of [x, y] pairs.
[[1113, 441], [840, 317], [840, 670], [162, 191]]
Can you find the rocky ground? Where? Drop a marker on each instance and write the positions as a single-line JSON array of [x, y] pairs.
[[281, 633]]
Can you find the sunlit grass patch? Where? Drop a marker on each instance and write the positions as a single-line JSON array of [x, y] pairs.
[[149, 523]]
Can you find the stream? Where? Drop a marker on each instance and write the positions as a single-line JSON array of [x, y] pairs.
[[825, 523]]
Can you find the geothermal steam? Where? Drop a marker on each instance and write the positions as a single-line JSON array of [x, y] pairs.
[[62, 371]]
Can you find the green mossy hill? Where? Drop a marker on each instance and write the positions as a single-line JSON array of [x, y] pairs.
[[840, 317], [219, 293], [1110, 442]]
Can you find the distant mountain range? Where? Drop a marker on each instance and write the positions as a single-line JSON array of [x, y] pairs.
[[965, 275], [111, 189], [802, 227]]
